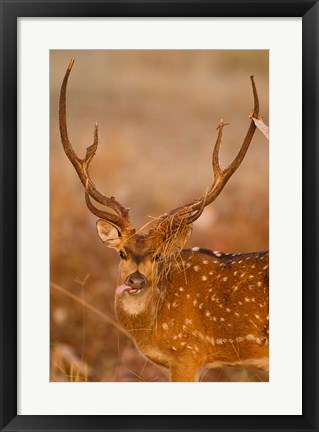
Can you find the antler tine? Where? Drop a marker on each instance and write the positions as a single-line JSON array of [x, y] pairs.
[[82, 166], [221, 176], [110, 217]]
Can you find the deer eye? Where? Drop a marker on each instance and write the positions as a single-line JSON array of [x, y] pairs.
[[122, 255], [157, 257]]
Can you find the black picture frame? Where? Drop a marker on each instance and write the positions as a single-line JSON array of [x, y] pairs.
[[11, 10]]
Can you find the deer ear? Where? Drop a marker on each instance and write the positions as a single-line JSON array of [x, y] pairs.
[[109, 235]]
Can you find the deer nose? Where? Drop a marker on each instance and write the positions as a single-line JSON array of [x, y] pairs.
[[136, 280]]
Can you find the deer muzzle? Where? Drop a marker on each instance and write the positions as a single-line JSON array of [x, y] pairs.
[[134, 284]]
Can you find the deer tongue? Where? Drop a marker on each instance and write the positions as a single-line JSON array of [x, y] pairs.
[[121, 288]]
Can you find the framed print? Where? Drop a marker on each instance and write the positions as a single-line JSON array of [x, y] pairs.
[[206, 325], [153, 78]]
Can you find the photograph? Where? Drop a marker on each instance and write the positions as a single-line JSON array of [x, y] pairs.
[[159, 216]]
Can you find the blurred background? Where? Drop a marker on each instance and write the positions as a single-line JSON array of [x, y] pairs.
[[157, 113]]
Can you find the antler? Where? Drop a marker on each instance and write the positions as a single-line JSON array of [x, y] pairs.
[[188, 213], [121, 218]]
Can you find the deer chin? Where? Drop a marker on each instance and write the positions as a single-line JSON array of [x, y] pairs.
[[131, 302], [128, 289]]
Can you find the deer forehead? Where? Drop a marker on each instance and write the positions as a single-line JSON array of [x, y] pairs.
[[140, 245]]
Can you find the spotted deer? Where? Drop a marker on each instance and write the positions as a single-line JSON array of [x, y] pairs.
[[185, 309]]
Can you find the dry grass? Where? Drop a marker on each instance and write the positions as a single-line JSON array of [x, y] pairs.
[[157, 114]]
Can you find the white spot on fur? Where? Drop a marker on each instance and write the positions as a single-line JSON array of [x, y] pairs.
[[195, 302], [256, 339], [205, 261], [195, 248], [259, 284], [181, 289], [188, 296], [204, 278], [207, 313], [235, 273], [222, 319], [221, 341], [165, 326], [196, 268], [225, 278], [188, 321], [236, 314], [227, 310]]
